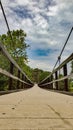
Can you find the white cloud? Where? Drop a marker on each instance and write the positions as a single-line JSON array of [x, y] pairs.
[[22, 2], [40, 21], [53, 10], [40, 64], [48, 27]]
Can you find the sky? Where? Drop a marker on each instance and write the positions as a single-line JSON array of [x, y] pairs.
[[47, 24]]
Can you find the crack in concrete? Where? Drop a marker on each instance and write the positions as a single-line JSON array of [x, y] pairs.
[[46, 118], [62, 118]]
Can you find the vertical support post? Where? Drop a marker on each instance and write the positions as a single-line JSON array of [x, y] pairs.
[[25, 81], [51, 80], [56, 77], [59, 58], [65, 74], [10, 79], [22, 83], [47, 86], [24, 78], [18, 82]]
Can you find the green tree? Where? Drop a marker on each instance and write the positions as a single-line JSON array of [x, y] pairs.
[[16, 47], [39, 75]]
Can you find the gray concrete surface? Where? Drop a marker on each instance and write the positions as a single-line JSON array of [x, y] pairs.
[[36, 109]]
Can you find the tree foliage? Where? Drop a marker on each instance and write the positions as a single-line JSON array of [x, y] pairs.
[[16, 46], [39, 75]]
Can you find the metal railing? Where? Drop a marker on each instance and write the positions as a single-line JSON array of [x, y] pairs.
[[53, 83], [21, 79]]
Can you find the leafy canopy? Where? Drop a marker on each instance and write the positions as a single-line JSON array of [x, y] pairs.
[[16, 47]]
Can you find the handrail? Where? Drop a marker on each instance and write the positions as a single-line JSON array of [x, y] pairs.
[[12, 76], [13, 64], [64, 62], [59, 67], [5, 52], [49, 80], [65, 77]]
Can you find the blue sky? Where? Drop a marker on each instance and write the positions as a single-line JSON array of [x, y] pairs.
[[47, 24]]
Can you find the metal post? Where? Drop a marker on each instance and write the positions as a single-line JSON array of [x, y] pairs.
[[10, 79], [24, 78], [56, 77], [51, 80], [26, 86], [48, 86], [18, 82], [65, 74], [22, 83], [59, 59]]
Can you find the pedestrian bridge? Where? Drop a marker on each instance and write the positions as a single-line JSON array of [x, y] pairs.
[[35, 107], [29, 106]]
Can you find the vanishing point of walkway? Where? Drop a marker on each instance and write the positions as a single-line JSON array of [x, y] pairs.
[[36, 109]]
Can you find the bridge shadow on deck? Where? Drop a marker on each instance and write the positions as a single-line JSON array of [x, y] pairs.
[[13, 91], [58, 91]]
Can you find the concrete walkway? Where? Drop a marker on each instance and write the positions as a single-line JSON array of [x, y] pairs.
[[36, 109]]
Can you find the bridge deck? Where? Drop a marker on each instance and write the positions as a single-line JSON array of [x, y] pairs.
[[36, 109]]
